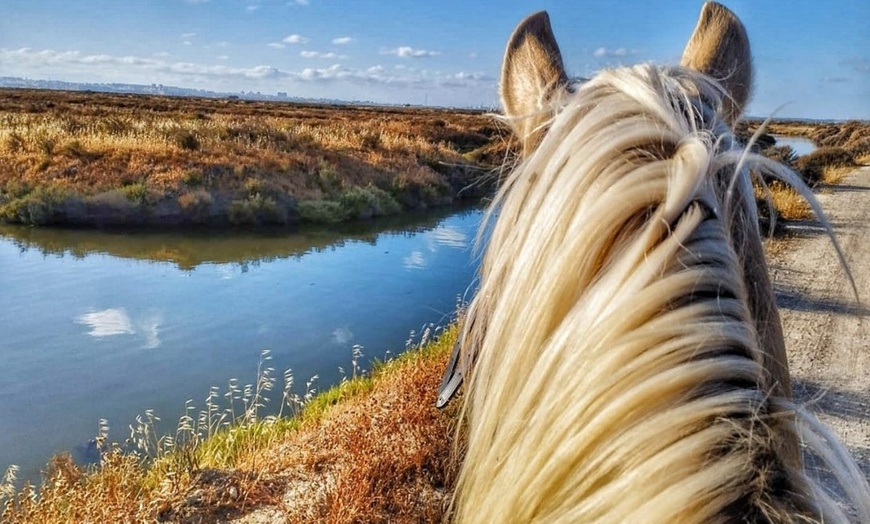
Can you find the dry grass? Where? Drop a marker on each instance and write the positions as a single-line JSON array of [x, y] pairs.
[[835, 174], [788, 203], [373, 449], [149, 155]]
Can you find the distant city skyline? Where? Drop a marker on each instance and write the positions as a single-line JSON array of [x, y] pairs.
[[812, 59]]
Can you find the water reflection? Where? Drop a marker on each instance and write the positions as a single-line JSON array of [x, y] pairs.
[[107, 323], [116, 321], [450, 237], [189, 250], [342, 336], [415, 260]]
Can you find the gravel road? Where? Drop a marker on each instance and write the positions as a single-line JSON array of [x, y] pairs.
[[827, 330]]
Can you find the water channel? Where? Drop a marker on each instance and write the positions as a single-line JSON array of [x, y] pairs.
[[800, 145], [108, 324]]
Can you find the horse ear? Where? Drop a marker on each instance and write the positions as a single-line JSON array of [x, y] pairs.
[[719, 48], [531, 75]]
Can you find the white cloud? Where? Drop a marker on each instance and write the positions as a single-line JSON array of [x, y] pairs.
[[299, 2], [218, 76], [187, 35], [276, 45], [618, 52], [295, 39], [223, 57], [410, 52], [342, 40], [318, 54], [74, 60], [252, 8]]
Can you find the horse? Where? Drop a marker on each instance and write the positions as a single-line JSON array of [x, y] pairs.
[[623, 356]]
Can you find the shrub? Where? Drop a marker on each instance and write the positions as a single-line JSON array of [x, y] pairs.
[[192, 177], [783, 154], [371, 141], [385, 204], [188, 141], [744, 133], [368, 202], [357, 202], [136, 193], [75, 149], [328, 178], [15, 189], [860, 148], [256, 210], [14, 143], [321, 211], [38, 207], [811, 166], [115, 125], [196, 205], [253, 187]]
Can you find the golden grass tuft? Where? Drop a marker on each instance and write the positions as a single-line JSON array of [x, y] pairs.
[[787, 203], [835, 174]]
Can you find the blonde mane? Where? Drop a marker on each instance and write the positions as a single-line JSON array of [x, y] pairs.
[[618, 370]]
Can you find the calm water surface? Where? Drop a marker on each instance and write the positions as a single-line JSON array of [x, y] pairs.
[[105, 325], [800, 145]]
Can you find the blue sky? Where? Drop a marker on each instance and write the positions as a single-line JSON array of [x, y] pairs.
[[812, 55]]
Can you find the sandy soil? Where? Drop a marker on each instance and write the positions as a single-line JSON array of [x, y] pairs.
[[827, 330]]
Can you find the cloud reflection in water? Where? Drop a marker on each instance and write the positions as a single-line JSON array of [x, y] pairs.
[[450, 237], [415, 260], [107, 323], [116, 321]]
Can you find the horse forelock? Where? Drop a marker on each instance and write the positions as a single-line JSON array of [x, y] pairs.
[[619, 376]]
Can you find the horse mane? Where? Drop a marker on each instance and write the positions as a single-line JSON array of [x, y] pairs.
[[617, 374]]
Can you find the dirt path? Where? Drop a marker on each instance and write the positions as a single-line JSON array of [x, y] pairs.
[[827, 331]]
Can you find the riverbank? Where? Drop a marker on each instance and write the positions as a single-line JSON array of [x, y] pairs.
[[373, 449], [108, 160]]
